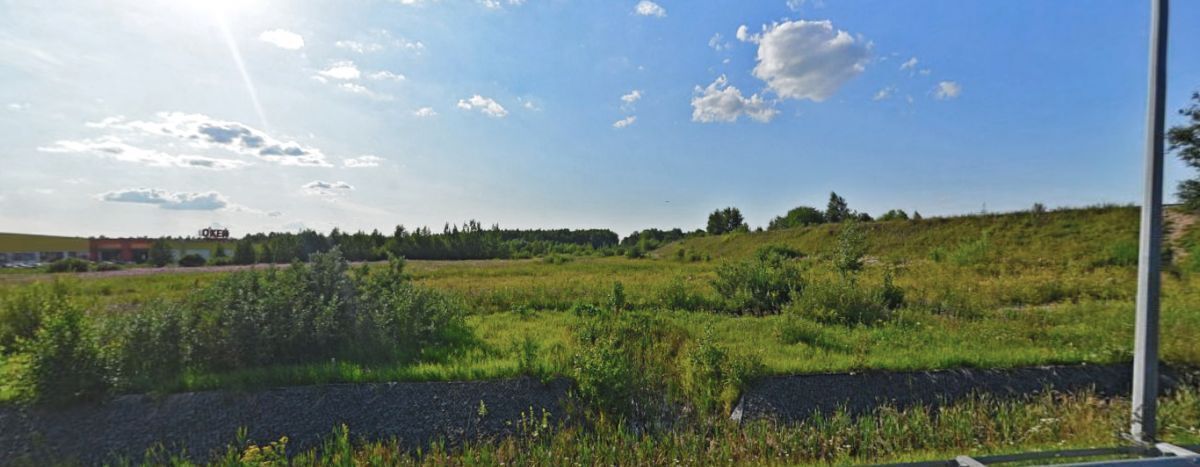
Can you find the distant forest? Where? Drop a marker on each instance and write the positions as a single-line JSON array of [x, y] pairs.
[[468, 241], [472, 240]]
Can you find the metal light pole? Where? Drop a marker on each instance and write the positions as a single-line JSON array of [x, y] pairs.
[[1145, 358]]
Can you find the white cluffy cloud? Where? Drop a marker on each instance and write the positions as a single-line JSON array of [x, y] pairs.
[[204, 132], [323, 188], [624, 122], [425, 112], [283, 39], [649, 8], [485, 105], [629, 99], [721, 102], [362, 161], [183, 201], [806, 59], [947, 90], [909, 64]]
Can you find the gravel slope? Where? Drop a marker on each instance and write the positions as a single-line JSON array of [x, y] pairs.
[[794, 398], [205, 422]]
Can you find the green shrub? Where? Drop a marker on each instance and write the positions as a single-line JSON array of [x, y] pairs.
[[617, 301], [146, 348], [584, 309], [68, 265], [711, 378], [316, 311], [847, 302], [64, 360], [676, 296], [851, 247], [777, 252], [760, 285], [556, 258], [399, 319], [23, 311], [106, 266], [622, 360], [192, 261]]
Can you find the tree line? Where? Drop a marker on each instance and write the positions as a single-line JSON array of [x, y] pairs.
[[471, 240], [730, 219]]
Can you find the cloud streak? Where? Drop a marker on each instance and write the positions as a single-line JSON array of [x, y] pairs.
[[202, 131], [323, 188], [113, 148], [283, 39], [179, 201]]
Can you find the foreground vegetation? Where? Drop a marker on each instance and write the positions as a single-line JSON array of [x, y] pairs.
[[977, 291], [978, 426], [687, 325]]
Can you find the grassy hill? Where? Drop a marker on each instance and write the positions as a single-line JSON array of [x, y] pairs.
[[1089, 235]]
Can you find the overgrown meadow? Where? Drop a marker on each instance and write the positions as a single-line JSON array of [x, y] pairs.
[[687, 324]]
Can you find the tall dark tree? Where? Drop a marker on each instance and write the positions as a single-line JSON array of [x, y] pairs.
[[894, 215], [797, 217], [220, 251], [837, 210], [243, 252], [265, 255], [160, 253], [285, 248], [726, 220], [1185, 142]]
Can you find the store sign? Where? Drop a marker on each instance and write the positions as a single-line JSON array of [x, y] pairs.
[[214, 234]]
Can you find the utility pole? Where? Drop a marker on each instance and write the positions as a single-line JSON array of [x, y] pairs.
[[1145, 359]]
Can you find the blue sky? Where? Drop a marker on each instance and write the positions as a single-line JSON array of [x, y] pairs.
[[135, 117]]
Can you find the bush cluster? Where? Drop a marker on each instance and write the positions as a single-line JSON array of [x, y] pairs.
[[847, 302], [305, 313], [69, 265], [761, 285], [712, 378], [192, 261], [773, 281]]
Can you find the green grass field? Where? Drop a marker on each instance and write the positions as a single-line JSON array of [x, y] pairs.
[[1050, 288], [987, 291]]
